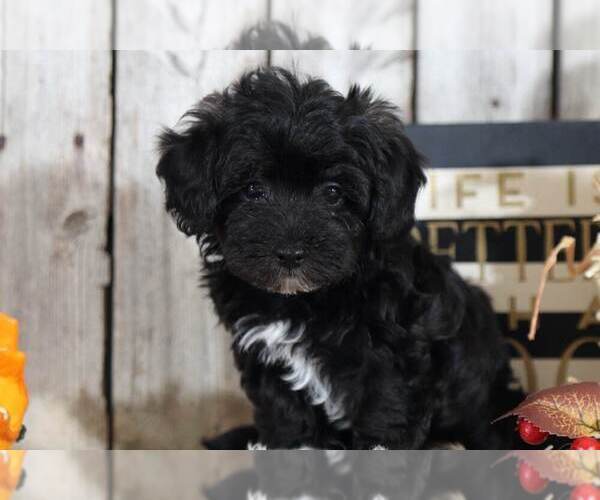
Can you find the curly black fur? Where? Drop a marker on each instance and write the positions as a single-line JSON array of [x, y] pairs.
[[302, 200]]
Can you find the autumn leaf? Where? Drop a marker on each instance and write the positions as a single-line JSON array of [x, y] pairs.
[[571, 410], [563, 466]]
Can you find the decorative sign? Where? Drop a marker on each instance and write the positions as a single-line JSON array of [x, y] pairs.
[[499, 198]]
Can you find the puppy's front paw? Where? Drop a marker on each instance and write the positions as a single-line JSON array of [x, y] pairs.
[[257, 446]]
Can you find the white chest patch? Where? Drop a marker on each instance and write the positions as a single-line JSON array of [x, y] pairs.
[[281, 344]]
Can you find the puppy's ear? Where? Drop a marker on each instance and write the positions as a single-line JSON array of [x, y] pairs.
[[377, 134], [188, 164]]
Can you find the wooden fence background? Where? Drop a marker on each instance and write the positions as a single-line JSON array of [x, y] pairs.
[[123, 348]]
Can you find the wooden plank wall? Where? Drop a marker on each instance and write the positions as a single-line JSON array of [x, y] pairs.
[[55, 123], [172, 369], [172, 379], [579, 79], [507, 80]]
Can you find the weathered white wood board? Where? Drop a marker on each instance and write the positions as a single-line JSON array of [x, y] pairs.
[[185, 475], [59, 25], [185, 24], [174, 380], [579, 32], [484, 24], [370, 24], [472, 62], [384, 24], [389, 73], [66, 474], [54, 176], [479, 86]]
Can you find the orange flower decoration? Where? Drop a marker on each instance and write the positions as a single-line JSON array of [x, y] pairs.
[[13, 392]]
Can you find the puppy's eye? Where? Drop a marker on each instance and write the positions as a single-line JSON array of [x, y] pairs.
[[333, 193], [255, 192]]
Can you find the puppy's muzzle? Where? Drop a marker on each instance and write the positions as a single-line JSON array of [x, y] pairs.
[[290, 257]]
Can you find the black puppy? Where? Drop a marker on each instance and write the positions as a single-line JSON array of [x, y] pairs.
[[347, 332]]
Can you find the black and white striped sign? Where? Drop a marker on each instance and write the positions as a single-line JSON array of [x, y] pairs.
[[498, 199]]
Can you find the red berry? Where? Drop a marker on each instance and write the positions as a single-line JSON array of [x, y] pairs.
[[530, 479], [531, 433], [585, 443], [585, 492]]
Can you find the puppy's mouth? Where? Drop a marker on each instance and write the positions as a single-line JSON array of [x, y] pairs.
[[291, 284]]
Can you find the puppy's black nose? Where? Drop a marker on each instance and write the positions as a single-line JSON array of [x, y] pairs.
[[290, 256]]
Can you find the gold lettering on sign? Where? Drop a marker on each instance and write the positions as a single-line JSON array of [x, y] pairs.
[[504, 191], [433, 231], [567, 355], [586, 235], [570, 187], [433, 190], [481, 241], [520, 226], [514, 315], [549, 242], [589, 315], [527, 363], [461, 191]]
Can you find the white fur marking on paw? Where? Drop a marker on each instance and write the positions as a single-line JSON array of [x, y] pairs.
[[303, 372], [211, 259], [452, 495], [337, 460], [256, 446], [256, 495], [378, 448], [445, 446], [335, 456]]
